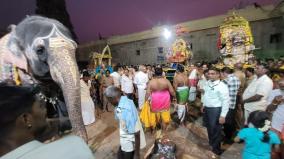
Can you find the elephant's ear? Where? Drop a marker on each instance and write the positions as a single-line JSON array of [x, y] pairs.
[[13, 53], [14, 44]]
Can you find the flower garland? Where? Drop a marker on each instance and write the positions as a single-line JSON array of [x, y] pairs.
[[266, 127]]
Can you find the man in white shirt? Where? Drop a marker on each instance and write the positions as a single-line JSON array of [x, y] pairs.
[[216, 101], [23, 123], [276, 107], [127, 84], [140, 80], [116, 76], [87, 104], [256, 94]]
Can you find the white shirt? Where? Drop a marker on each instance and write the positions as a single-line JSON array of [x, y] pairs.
[[141, 80], [261, 86], [69, 147], [127, 84], [85, 89], [216, 94], [278, 114], [116, 78]]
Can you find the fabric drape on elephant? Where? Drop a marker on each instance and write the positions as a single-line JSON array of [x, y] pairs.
[[10, 72]]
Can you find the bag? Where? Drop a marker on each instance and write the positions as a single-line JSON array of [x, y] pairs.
[[165, 148]]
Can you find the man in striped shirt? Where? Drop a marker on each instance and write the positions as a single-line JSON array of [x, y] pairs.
[[233, 84]]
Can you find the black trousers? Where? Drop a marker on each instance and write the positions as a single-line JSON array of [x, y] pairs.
[[124, 155], [214, 129], [230, 125], [130, 96]]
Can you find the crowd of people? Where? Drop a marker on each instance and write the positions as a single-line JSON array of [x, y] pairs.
[[229, 96], [244, 102]]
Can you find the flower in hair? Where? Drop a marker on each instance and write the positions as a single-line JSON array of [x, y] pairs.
[[266, 127]]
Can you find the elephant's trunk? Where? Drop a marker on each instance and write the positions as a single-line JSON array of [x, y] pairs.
[[64, 71]]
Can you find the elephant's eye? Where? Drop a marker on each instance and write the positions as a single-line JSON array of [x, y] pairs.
[[40, 50]]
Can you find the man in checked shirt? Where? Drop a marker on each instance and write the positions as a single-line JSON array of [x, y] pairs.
[[233, 84]]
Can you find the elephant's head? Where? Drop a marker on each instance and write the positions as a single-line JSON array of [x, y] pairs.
[[49, 49]]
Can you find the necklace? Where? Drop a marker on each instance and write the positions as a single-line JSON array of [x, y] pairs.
[[212, 87]]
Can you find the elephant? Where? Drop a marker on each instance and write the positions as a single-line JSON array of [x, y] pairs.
[[43, 47]]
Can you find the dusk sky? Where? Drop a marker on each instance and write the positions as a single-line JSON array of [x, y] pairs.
[[118, 17]]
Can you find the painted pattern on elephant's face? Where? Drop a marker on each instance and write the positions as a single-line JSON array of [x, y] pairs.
[[63, 49], [45, 49]]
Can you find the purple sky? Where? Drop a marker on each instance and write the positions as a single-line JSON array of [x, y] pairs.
[[117, 17]]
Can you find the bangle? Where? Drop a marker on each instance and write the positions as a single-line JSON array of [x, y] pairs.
[[275, 104]]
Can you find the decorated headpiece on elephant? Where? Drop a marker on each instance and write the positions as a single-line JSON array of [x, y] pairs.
[[43, 48]]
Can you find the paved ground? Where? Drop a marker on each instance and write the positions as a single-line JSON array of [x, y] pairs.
[[191, 141]]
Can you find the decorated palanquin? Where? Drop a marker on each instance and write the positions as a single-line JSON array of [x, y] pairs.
[[180, 50], [235, 40], [98, 58]]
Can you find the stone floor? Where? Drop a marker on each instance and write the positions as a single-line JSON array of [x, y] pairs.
[[191, 140]]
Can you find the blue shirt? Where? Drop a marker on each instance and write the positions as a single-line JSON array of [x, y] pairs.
[[254, 147], [126, 112]]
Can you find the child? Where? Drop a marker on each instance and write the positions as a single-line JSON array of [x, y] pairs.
[[258, 137]]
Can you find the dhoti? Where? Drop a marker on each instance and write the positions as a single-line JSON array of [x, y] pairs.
[[181, 112], [141, 97], [88, 110], [160, 101], [150, 119], [182, 94]]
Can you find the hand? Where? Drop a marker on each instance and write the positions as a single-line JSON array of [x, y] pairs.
[[278, 100], [271, 108], [202, 109], [222, 120]]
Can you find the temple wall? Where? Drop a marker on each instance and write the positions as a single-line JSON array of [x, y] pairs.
[[149, 47], [204, 44]]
